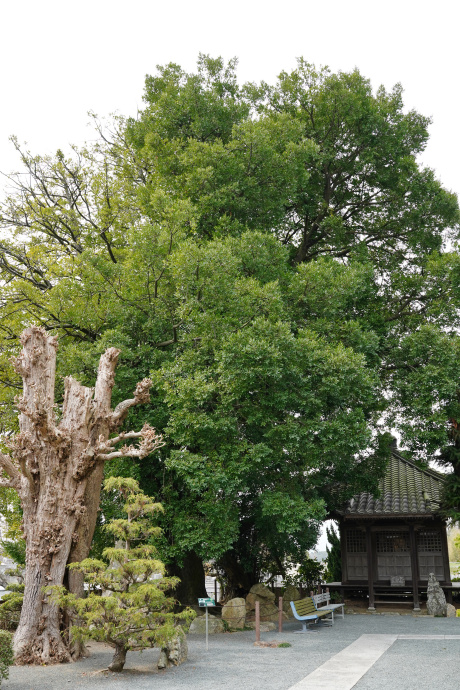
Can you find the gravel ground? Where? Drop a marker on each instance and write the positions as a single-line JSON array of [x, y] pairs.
[[232, 661]]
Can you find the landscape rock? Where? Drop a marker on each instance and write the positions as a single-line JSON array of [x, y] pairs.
[[175, 652], [262, 593], [451, 611], [268, 605], [266, 626], [291, 593], [436, 604], [234, 613], [198, 625]]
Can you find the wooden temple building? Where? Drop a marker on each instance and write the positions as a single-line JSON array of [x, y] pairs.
[[392, 543]]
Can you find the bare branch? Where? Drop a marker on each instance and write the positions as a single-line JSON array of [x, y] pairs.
[[150, 441], [106, 379], [7, 464], [141, 395], [112, 442], [9, 484]]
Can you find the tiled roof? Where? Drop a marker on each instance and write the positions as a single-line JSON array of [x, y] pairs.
[[404, 490]]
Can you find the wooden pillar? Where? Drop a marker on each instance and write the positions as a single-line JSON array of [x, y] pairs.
[[343, 551], [446, 564], [280, 614], [370, 568], [257, 621], [414, 567]]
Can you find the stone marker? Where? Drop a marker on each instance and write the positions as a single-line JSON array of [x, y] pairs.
[[175, 652], [234, 613], [198, 625], [436, 604]]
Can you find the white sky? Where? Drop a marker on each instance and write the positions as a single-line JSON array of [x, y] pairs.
[[61, 59]]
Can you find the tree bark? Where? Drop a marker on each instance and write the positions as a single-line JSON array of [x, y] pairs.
[[239, 581], [57, 469], [192, 583], [119, 659]]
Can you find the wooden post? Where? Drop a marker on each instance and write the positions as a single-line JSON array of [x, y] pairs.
[[370, 568], [343, 552], [280, 614], [257, 621], [445, 559], [414, 567]]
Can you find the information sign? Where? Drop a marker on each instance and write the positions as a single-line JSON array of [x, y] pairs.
[[206, 602]]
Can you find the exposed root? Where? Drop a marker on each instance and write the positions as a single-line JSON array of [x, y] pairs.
[[43, 651]]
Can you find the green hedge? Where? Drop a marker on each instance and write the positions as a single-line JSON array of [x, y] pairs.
[[6, 653]]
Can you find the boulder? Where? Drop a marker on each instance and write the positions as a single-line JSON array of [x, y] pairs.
[[198, 625], [268, 605], [262, 592], [234, 613], [268, 612], [291, 593], [175, 652], [451, 611], [266, 626], [436, 604]]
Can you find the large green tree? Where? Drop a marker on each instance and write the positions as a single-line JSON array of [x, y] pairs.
[[264, 253]]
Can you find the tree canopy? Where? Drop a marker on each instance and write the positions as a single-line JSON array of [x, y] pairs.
[[274, 258]]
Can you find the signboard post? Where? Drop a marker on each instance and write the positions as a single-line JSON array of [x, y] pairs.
[[206, 603]]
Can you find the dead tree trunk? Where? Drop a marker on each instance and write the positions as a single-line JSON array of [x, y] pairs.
[[57, 470]]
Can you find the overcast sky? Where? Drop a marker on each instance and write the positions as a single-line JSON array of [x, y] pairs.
[[61, 59]]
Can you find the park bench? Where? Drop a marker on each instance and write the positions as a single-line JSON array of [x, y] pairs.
[[305, 611], [325, 598]]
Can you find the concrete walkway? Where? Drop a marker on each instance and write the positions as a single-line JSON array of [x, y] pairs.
[[343, 670], [361, 652]]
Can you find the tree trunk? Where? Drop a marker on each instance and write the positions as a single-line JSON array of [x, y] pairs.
[[239, 582], [119, 659], [192, 585], [58, 474]]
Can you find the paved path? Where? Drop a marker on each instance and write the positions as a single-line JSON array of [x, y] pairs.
[[424, 655], [343, 670]]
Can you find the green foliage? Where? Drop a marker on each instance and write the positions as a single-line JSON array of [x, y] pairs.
[[308, 575], [453, 543], [272, 255], [12, 544], [334, 556], [6, 654], [134, 611], [10, 607]]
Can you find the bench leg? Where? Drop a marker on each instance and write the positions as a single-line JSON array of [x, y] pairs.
[[305, 628]]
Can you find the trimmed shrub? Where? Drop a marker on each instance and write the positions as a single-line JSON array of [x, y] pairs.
[[6, 654]]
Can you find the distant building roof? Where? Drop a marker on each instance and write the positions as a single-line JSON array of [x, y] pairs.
[[405, 490]]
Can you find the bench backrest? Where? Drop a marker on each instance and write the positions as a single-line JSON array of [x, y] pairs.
[[323, 598], [304, 607]]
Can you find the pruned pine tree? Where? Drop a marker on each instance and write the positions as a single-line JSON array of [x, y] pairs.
[[134, 611], [57, 469]]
